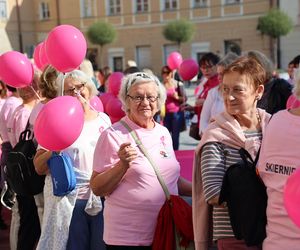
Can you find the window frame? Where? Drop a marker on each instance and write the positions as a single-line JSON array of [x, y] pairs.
[[44, 10], [114, 7]]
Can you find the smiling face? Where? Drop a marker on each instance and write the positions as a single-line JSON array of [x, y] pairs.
[[142, 102], [239, 94]]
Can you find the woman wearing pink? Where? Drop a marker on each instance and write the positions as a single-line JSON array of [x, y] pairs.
[[124, 175], [279, 158]]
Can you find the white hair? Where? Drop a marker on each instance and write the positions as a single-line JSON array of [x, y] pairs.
[[137, 78], [296, 89], [79, 76]]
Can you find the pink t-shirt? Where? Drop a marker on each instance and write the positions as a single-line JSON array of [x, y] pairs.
[[131, 210], [16, 123], [8, 108], [279, 157], [172, 105], [34, 113]]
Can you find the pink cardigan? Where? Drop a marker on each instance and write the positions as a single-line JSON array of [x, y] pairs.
[[224, 129]]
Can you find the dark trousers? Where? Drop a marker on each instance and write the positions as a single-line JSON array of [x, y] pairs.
[[173, 122], [85, 231], [30, 230]]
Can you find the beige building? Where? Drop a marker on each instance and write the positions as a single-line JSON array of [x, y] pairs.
[[221, 25]]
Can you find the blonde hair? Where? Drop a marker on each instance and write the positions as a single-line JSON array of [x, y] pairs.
[[47, 85]]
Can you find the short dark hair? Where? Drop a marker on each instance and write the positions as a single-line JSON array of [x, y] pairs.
[[209, 59]]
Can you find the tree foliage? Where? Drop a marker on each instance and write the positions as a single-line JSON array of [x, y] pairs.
[[101, 33], [179, 31], [275, 24]]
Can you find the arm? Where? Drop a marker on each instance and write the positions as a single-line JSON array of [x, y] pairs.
[[184, 187], [106, 182], [212, 171], [40, 161], [206, 112]]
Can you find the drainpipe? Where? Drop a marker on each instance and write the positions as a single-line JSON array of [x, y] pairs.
[[19, 27], [278, 42], [58, 12]]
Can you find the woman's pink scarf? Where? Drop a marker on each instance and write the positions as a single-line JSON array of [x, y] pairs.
[[224, 129]]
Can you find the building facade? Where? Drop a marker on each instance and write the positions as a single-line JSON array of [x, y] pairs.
[[221, 26]]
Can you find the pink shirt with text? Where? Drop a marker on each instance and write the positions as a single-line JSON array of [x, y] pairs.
[[279, 158]]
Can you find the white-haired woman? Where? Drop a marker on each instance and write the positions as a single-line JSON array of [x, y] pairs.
[[66, 222], [124, 175], [279, 158]]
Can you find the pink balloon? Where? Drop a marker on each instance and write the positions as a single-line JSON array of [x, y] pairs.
[[97, 104], [114, 109], [188, 69], [174, 60], [291, 196], [43, 56], [15, 69], [114, 82], [36, 56], [105, 98], [59, 123], [65, 47]]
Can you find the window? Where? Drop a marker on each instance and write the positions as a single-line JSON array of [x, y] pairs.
[[86, 8], [232, 1], [44, 10], [142, 5], [114, 7], [143, 56], [233, 46], [200, 3], [118, 63], [3, 12], [170, 4]]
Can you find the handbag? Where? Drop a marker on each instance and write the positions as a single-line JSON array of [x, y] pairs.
[[194, 128], [246, 198], [62, 174], [174, 228]]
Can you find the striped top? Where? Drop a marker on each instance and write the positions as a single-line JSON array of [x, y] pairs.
[[215, 159]]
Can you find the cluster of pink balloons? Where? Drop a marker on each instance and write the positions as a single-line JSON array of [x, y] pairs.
[[291, 197], [112, 104], [64, 48], [187, 68]]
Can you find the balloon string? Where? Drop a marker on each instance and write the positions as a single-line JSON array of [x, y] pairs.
[[36, 93], [88, 103]]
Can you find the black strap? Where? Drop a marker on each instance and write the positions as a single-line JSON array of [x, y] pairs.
[[246, 156]]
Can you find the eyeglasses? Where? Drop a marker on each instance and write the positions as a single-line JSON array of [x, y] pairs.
[[75, 88], [136, 77], [139, 99]]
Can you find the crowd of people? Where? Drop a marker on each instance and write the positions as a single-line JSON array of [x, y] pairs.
[[240, 103]]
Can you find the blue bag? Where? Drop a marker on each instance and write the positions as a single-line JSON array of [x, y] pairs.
[[62, 174]]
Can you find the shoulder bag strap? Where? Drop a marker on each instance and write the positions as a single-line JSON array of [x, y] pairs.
[[145, 152]]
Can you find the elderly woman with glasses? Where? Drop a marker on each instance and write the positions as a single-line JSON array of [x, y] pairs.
[[69, 222], [124, 175]]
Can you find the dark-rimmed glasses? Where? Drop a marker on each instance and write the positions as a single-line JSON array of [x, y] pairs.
[[75, 88], [139, 99]]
